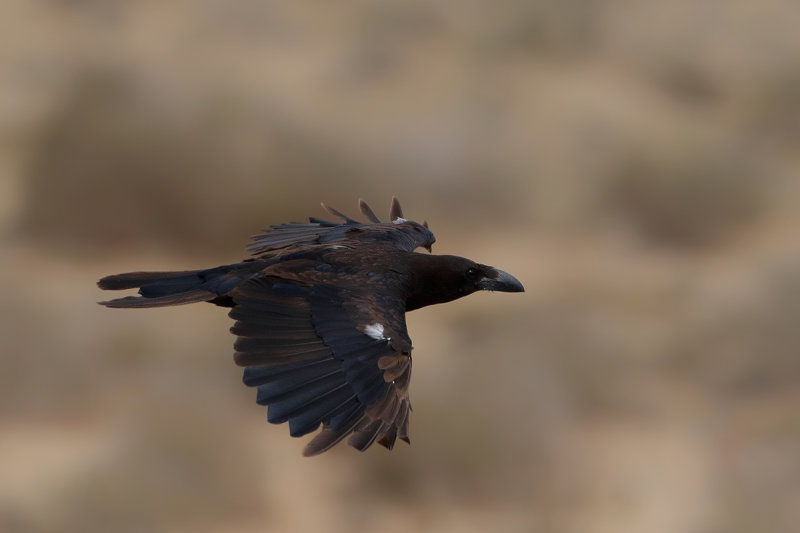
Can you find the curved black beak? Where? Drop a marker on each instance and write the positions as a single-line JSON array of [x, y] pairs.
[[497, 280]]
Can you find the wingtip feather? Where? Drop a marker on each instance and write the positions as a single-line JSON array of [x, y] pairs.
[[338, 214], [368, 212], [396, 211]]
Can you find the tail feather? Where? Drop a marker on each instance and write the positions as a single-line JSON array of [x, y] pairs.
[[187, 297], [134, 280], [159, 289]]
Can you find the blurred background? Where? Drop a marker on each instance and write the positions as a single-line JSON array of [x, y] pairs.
[[634, 164]]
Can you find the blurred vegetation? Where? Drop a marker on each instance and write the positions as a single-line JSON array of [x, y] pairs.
[[694, 197], [634, 164]]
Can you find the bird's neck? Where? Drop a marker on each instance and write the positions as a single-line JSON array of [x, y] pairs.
[[427, 281]]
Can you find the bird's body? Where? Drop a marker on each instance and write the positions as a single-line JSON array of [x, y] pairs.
[[320, 318]]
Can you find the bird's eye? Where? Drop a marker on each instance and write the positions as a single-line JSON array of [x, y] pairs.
[[472, 273]]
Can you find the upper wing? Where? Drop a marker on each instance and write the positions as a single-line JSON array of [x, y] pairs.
[[323, 355], [292, 236]]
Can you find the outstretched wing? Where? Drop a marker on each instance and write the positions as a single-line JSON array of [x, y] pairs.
[[292, 236], [325, 356]]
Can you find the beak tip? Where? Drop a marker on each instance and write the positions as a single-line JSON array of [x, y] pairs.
[[515, 287], [503, 282]]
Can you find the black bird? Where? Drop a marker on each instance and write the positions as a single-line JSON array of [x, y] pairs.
[[320, 318]]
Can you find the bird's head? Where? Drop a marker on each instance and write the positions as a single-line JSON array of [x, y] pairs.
[[443, 278]]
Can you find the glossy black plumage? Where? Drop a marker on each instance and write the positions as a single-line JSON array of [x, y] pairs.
[[319, 317]]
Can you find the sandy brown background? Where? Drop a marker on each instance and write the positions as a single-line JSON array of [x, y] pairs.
[[634, 164]]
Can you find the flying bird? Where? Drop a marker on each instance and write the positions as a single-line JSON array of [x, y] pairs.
[[319, 314]]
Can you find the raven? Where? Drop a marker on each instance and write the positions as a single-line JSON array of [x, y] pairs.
[[320, 318]]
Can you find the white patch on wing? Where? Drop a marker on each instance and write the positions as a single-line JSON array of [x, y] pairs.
[[375, 331], [399, 220]]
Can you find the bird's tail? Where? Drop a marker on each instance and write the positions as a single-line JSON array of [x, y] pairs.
[[160, 289]]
